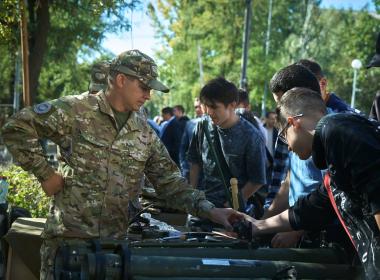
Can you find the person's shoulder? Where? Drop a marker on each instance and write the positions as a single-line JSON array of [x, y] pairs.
[[200, 123], [343, 117], [71, 101], [248, 127], [246, 133], [332, 120], [184, 119], [338, 105], [62, 104], [343, 123]]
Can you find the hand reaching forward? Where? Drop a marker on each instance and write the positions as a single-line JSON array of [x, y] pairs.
[[225, 216]]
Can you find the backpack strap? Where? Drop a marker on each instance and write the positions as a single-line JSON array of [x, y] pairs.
[[326, 181], [219, 159]]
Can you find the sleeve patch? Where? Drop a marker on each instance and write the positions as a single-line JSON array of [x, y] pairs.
[[42, 108]]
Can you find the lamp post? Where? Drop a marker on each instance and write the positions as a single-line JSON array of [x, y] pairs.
[[356, 65]]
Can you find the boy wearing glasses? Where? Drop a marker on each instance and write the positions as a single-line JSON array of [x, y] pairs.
[[348, 145], [303, 175]]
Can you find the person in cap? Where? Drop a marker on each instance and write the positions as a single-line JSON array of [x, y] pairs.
[[348, 146], [106, 147], [99, 73]]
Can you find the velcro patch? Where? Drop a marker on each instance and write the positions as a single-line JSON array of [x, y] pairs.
[[42, 108]]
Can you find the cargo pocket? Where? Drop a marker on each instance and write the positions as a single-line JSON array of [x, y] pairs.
[[134, 165], [88, 152]]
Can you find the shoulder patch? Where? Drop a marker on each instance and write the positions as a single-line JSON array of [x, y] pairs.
[[42, 108]]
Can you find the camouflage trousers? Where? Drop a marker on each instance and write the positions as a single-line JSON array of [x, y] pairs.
[[48, 250]]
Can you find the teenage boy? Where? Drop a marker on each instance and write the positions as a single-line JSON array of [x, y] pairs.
[[286, 78], [332, 101], [348, 145], [241, 146], [304, 176]]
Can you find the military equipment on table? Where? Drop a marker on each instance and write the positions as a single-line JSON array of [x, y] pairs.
[[183, 255], [124, 260]]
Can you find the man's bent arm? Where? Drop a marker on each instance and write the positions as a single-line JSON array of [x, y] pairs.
[[170, 185], [22, 132], [310, 212], [278, 223]]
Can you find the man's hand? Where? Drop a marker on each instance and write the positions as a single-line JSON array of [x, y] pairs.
[[53, 185], [225, 216], [288, 239]]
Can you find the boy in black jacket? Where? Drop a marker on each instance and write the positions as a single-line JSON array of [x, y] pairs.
[[347, 145]]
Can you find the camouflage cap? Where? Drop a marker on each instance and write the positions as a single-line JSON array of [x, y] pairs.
[[99, 74], [139, 65]]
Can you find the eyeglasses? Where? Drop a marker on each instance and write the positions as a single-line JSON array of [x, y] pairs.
[[282, 133]]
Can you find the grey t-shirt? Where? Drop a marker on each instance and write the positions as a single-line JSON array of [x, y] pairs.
[[244, 150]]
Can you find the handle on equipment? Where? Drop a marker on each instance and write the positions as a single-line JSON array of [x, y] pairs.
[[234, 190]]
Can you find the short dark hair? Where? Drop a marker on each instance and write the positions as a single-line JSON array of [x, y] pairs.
[[167, 110], [179, 108], [293, 76], [219, 90], [243, 97], [313, 66], [299, 100]]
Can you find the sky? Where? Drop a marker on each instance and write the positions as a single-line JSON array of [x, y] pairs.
[[142, 34], [140, 37]]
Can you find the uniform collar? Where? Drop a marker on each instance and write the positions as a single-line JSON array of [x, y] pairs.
[[105, 107], [133, 121]]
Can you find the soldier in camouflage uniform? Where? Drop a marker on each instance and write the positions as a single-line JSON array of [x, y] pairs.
[[106, 147], [99, 74]]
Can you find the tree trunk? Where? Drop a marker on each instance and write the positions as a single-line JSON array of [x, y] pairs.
[[38, 46]]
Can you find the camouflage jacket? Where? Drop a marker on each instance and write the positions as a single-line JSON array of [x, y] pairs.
[[102, 168]]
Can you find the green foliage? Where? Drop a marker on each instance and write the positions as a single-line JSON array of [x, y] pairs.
[[72, 78], [9, 20], [25, 191], [300, 29], [76, 30]]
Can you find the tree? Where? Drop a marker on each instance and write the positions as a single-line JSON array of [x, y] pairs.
[[300, 29], [59, 31]]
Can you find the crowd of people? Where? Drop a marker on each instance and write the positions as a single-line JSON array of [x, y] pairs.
[[312, 165]]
